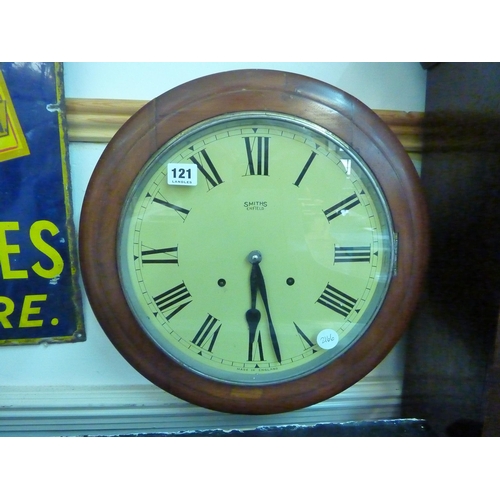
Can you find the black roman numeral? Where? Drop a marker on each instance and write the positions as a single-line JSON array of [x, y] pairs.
[[255, 349], [173, 300], [337, 301], [305, 169], [303, 337], [342, 207], [182, 212], [207, 334], [159, 255], [204, 163], [352, 254], [258, 155]]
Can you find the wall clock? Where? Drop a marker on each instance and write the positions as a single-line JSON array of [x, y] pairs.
[[254, 241]]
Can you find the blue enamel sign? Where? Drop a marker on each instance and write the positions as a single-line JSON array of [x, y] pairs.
[[39, 293]]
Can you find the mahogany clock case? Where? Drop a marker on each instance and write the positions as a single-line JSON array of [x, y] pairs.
[[172, 113]]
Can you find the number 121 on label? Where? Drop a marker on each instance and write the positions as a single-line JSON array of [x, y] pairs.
[[182, 174]]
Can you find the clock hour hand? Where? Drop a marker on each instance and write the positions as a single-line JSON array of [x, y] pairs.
[[257, 282]]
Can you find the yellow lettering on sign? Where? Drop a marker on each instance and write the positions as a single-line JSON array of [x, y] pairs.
[[12, 140], [8, 251], [5, 250], [8, 309], [28, 311], [36, 238]]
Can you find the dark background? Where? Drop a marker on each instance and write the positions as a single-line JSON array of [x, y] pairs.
[[450, 346]]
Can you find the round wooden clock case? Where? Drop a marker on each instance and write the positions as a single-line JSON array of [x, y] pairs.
[[254, 241]]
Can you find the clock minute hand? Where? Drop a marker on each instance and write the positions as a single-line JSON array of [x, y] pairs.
[[253, 314], [262, 289]]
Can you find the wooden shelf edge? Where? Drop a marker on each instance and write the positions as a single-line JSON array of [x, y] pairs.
[[97, 120]]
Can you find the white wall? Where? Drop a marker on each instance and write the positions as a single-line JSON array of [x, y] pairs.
[[398, 86], [95, 366]]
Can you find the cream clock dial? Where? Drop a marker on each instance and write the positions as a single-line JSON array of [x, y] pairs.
[[280, 187], [254, 241]]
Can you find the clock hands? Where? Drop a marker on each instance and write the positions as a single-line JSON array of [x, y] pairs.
[[253, 314]]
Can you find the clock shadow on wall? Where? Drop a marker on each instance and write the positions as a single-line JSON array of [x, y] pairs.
[[450, 367]]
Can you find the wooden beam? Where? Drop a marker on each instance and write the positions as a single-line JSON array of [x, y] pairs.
[[97, 120]]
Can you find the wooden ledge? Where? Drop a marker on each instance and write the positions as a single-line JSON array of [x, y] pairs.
[[97, 120]]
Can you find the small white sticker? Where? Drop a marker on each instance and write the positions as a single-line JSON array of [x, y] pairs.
[[327, 339], [182, 174]]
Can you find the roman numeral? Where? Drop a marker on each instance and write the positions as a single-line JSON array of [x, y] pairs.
[[337, 301], [204, 163], [352, 254], [255, 349], [306, 342], [173, 300], [182, 212], [159, 256], [258, 155], [208, 333], [305, 169], [342, 207]]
